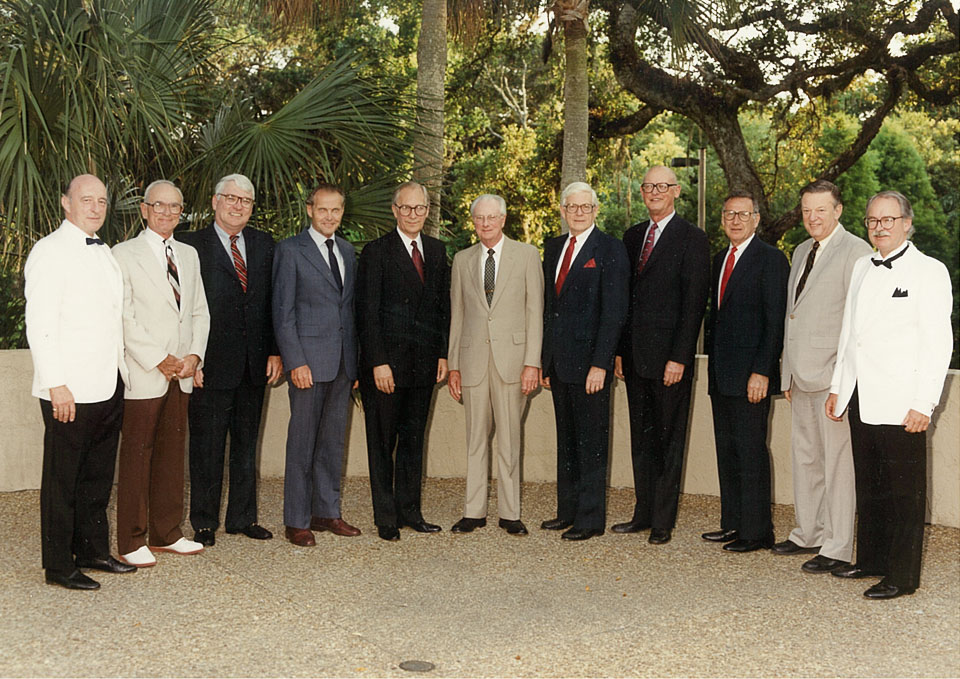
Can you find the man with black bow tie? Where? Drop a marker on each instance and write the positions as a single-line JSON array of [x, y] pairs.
[[893, 355]]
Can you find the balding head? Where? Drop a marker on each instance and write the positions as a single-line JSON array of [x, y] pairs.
[[660, 191], [84, 203]]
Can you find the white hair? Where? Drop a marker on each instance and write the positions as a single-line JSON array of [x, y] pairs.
[[240, 180], [501, 203], [577, 187], [161, 182]]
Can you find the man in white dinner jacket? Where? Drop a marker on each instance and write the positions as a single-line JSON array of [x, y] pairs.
[[165, 328], [74, 294], [894, 350]]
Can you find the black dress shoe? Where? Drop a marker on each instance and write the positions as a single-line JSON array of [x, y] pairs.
[[823, 564], [72, 580], [254, 530], [659, 537], [205, 537], [468, 525], [389, 533], [422, 526], [629, 527], [107, 564], [513, 527], [882, 590], [578, 534], [748, 545], [721, 535], [855, 572], [555, 524], [791, 547]]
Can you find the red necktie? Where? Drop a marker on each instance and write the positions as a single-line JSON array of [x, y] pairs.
[[647, 247], [565, 267], [238, 262], [727, 270], [417, 260]]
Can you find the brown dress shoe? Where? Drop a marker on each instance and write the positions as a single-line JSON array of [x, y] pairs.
[[301, 537], [336, 526]]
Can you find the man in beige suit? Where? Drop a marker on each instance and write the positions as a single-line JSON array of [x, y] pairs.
[[165, 327], [823, 479], [496, 329]]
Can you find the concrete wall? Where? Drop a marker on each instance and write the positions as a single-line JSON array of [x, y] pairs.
[[22, 436]]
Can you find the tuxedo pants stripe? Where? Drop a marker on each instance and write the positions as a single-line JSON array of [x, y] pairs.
[[79, 458], [891, 473], [503, 402], [150, 474], [824, 489]]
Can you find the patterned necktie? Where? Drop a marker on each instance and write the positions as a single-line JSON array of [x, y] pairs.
[[334, 264], [565, 267], [172, 274], [489, 276], [238, 261], [417, 260], [807, 268], [727, 270], [647, 247]]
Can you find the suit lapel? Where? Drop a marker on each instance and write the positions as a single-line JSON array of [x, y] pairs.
[[155, 273], [741, 271], [349, 255], [313, 255], [508, 264], [668, 238], [220, 256], [404, 263], [585, 255]]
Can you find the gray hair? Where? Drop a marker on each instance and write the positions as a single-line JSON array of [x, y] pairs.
[[576, 187], [161, 182], [240, 180], [501, 203], [410, 184]]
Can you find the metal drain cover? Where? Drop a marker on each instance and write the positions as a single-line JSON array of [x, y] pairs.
[[416, 666]]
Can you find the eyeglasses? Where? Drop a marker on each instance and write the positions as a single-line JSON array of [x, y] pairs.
[[585, 208], [323, 212], [165, 208], [661, 187], [872, 223], [233, 200], [486, 219], [744, 215], [418, 210]]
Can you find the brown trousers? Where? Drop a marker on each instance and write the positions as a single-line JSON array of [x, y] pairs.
[[150, 477]]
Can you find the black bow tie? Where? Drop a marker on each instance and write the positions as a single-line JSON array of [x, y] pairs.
[[94, 241], [889, 261]]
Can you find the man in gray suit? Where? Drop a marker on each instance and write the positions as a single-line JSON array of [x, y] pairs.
[[823, 479], [314, 275], [496, 329]]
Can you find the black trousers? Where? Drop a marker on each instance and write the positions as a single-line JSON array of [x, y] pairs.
[[395, 421], [213, 413], [743, 465], [79, 458], [658, 435], [583, 441], [891, 477]]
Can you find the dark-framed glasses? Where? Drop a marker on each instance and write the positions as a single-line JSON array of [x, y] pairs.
[[873, 223], [659, 187], [744, 215], [162, 208], [418, 210], [584, 208], [231, 199]]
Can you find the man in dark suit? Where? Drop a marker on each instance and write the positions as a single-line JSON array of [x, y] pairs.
[[314, 276], [586, 276], [670, 280], [744, 340], [242, 357], [403, 303]]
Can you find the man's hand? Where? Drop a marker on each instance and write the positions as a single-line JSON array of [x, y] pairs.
[[618, 366], [189, 367], [170, 366], [64, 407], [441, 370], [383, 377], [830, 406], [595, 379], [198, 378], [453, 384], [915, 422], [529, 379], [757, 387], [786, 395], [302, 377], [274, 369], [672, 373], [544, 381]]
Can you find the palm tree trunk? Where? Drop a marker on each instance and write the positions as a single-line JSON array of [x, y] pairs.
[[431, 70], [575, 97]]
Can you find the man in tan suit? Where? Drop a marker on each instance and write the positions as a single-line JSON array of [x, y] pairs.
[[496, 329], [823, 480], [165, 327]]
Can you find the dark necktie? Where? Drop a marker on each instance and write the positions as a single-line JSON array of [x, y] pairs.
[[238, 261], [647, 247], [417, 260], [727, 270], [172, 274], [877, 262], [334, 264], [94, 241], [565, 267], [807, 268], [489, 276]]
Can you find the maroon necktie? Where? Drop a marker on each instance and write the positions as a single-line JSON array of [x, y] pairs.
[[238, 262], [727, 270], [647, 247], [565, 267], [417, 260]]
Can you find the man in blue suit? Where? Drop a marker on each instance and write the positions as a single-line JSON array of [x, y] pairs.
[[314, 275], [586, 275]]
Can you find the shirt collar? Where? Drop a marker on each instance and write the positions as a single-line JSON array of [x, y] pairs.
[[407, 240], [582, 238]]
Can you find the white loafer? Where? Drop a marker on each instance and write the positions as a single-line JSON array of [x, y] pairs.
[[181, 546], [141, 558]]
